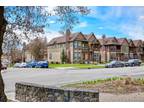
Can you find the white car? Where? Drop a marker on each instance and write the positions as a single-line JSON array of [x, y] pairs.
[[20, 65], [23, 65], [17, 65]]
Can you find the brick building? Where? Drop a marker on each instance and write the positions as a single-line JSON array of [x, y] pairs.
[[82, 48]]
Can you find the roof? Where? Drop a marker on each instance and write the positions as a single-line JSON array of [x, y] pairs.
[[121, 40], [109, 41], [137, 42], [131, 43], [62, 39]]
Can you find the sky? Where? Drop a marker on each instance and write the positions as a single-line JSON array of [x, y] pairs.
[[121, 22]]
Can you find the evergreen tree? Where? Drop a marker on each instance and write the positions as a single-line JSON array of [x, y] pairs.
[[63, 57]]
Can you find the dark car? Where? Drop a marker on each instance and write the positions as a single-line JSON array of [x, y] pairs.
[[133, 62], [115, 63], [42, 64], [32, 64]]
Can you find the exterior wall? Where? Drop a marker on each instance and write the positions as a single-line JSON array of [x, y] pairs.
[[98, 57], [86, 49], [54, 53], [26, 92], [124, 52], [28, 56], [139, 51], [111, 56], [103, 54], [71, 52], [125, 49]]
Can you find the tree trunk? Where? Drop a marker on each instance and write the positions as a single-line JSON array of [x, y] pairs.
[[3, 23]]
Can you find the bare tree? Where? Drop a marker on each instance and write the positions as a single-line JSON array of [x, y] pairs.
[[30, 20], [37, 48]]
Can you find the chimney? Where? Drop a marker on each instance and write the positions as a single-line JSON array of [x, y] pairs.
[[67, 35], [103, 36], [68, 45]]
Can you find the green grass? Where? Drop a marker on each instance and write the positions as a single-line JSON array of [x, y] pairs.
[[79, 66], [93, 82], [102, 80], [137, 81]]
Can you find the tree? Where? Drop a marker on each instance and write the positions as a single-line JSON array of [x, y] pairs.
[[37, 48], [63, 57], [3, 24], [31, 20]]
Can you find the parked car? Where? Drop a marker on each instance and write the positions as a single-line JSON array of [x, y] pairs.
[[23, 65], [42, 64], [133, 62], [20, 65], [17, 65], [115, 63], [32, 64]]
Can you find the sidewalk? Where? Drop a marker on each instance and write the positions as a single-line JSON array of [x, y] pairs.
[[11, 97]]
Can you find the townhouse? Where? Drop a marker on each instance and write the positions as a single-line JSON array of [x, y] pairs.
[[139, 47], [86, 48], [110, 49], [78, 47]]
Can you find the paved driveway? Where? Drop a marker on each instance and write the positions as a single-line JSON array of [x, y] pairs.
[[59, 77]]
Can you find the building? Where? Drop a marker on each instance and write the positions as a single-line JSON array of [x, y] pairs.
[[139, 49], [83, 48], [110, 49], [124, 50], [78, 47]]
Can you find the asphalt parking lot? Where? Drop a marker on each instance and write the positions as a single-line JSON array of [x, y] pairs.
[[59, 77]]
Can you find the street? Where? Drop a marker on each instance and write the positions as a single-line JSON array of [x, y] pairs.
[[59, 77]]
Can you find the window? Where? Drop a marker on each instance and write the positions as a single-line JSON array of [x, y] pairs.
[[77, 55], [96, 56], [112, 48], [79, 44], [75, 44]]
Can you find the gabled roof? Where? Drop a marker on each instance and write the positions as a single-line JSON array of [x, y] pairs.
[[90, 37], [121, 40], [62, 39], [75, 36], [131, 43], [138, 42], [109, 41]]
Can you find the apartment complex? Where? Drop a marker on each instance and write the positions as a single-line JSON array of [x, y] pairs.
[[81, 48]]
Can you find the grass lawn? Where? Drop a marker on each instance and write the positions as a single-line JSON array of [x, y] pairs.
[[79, 66], [115, 85]]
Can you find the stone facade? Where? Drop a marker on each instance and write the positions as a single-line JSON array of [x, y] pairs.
[[26, 92]]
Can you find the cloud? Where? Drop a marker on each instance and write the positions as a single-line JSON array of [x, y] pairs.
[[51, 22], [126, 20], [50, 34], [83, 24], [141, 17], [100, 28], [106, 13], [133, 31], [48, 10]]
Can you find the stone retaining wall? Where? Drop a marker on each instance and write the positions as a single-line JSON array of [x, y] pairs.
[[27, 92]]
